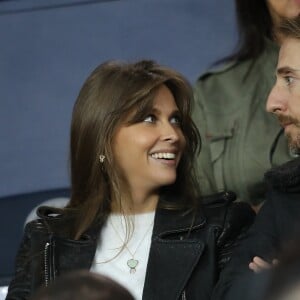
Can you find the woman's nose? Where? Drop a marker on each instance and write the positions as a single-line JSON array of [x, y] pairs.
[[169, 133]]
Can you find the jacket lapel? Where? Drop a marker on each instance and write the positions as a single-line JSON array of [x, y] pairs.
[[173, 256], [74, 255]]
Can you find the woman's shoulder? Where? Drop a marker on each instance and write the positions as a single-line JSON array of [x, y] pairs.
[[51, 220], [222, 84], [225, 71], [218, 70], [234, 72]]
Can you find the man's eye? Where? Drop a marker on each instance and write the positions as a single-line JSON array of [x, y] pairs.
[[288, 80], [150, 119]]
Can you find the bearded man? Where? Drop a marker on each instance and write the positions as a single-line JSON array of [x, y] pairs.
[[278, 221]]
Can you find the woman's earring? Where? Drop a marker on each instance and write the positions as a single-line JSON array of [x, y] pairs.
[[101, 158]]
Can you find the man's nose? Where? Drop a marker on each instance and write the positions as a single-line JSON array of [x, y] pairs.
[[276, 102]]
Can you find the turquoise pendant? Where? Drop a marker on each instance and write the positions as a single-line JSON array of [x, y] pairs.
[[132, 263]]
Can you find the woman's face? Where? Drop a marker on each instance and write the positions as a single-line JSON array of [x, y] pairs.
[[283, 9], [148, 152]]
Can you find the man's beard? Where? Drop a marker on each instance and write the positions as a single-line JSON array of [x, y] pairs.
[[293, 141], [294, 144]]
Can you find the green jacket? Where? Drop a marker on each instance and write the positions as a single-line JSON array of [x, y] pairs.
[[237, 132]]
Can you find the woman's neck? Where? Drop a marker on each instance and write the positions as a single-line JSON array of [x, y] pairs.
[[135, 204], [277, 36]]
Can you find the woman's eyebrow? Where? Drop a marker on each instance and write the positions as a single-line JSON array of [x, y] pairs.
[[157, 111]]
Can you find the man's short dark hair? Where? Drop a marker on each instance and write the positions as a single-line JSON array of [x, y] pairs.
[[290, 28]]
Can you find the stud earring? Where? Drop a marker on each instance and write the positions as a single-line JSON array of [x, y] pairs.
[[101, 158]]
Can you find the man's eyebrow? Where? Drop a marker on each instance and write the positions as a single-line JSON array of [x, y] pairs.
[[286, 70]]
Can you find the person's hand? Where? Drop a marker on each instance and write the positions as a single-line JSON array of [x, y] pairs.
[[258, 264]]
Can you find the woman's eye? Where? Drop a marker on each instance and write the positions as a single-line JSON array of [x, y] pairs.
[[176, 120], [150, 119]]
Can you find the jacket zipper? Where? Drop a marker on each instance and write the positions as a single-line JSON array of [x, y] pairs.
[[46, 263], [183, 296]]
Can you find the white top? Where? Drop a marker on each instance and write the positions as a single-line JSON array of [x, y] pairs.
[[111, 241]]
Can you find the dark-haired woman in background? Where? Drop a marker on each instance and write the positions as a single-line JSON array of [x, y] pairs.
[[240, 139], [134, 213]]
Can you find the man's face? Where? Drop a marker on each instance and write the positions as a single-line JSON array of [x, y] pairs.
[[284, 99]]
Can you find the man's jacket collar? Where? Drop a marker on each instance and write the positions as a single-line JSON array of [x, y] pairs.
[[285, 178]]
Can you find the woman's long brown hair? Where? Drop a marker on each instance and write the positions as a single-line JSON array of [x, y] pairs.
[[110, 93]]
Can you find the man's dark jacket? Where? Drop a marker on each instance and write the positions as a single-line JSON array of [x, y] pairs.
[[276, 224], [187, 250]]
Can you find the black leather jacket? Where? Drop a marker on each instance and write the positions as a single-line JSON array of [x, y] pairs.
[[184, 261]]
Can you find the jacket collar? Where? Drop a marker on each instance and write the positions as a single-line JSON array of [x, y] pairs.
[[166, 221], [169, 221], [285, 178], [172, 257]]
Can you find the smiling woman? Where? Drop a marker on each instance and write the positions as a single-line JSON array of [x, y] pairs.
[[157, 144], [135, 213]]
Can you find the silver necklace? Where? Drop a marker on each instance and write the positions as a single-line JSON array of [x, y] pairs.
[[131, 262]]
